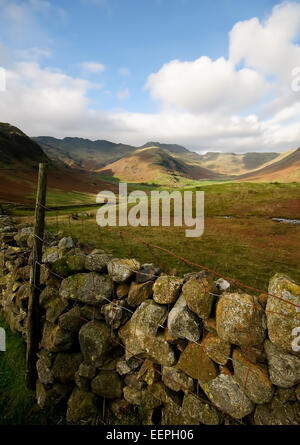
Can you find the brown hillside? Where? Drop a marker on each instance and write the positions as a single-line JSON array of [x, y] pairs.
[[286, 169], [147, 163]]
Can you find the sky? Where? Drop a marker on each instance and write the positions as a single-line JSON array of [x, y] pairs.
[[212, 76]]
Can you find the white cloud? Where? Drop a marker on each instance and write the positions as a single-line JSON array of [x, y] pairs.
[[207, 104], [205, 85], [123, 94], [93, 67], [268, 46]]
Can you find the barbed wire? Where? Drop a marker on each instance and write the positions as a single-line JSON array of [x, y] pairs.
[[205, 348]]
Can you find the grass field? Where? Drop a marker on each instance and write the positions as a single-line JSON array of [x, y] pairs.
[[17, 403], [248, 246]]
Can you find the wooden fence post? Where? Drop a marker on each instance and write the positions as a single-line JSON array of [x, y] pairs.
[[33, 316]]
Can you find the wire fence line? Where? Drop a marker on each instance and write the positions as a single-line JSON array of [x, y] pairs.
[[48, 242]]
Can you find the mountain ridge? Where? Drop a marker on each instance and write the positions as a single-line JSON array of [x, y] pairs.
[[94, 155]]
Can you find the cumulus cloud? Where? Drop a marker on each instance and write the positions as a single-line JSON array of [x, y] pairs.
[[205, 85], [243, 103], [268, 46]]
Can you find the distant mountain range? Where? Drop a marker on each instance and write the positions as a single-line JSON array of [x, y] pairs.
[[154, 161], [86, 166]]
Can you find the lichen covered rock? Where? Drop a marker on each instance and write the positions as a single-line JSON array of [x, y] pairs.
[[71, 320], [284, 368], [166, 289], [253, 378], [240, 320], [177, 380], [282, 312], [146, 345], [277, 413], [139, 293], [96, 343], [216, 349], [90, 288], [198, 296], [121, 270], [183, 323], [196, 363], [227, 395], [97, 262], [198, 411]]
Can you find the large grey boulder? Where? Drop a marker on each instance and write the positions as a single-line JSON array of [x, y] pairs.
[[284, 368], [139, 334], [183, 323], [149, 316], [146, 345], [90, 288], [96, 343], [227, 395]]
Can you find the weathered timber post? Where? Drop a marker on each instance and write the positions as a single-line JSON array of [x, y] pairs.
[[33, 317]]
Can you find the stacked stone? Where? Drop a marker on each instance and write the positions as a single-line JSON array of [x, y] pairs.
[[15, 249], [177, 351]]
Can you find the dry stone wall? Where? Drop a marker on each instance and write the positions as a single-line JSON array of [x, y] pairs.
[[173, 350]]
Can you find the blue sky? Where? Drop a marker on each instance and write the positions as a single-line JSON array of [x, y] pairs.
[[112, 62]]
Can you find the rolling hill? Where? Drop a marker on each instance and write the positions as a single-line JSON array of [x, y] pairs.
[[284, 168], [19, 159], [157, 165], [17, 149]]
